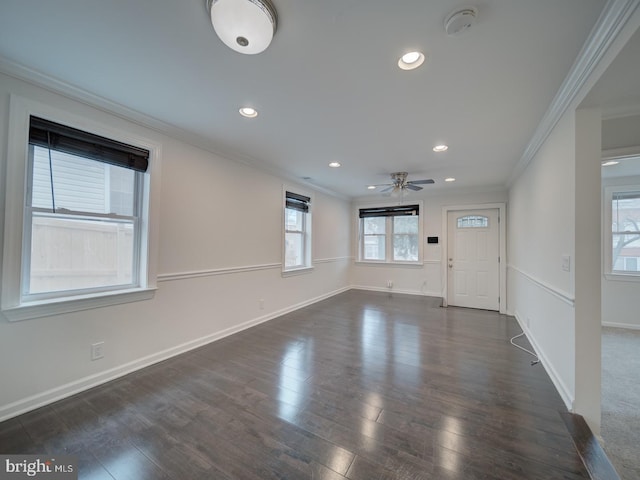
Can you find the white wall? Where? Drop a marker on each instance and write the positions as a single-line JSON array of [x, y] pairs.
[[587, 269], [424, 279], [540, 230], [620, 132], [220, 254], [553, 209], [620, 297]]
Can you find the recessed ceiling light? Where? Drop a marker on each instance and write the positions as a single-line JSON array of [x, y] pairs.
[[441, 148], [248, 112], [371, 187], [334, 164], [608, 163], [411, 60], [450, 179]]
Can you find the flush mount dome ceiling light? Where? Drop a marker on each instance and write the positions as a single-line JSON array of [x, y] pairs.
[[246, 26]]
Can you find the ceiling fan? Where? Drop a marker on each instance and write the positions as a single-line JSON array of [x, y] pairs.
[[400, 184]]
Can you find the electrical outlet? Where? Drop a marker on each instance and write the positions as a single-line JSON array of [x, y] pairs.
[[97, 351], [528, 322], [389, 283], [261, 304], [566, 263]]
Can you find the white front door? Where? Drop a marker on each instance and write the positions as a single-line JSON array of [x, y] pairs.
[[473, 263]]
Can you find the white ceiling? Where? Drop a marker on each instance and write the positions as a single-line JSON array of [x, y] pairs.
[[328, 88]]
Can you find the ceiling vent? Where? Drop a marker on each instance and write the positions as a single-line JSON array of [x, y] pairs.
[[459, 21]]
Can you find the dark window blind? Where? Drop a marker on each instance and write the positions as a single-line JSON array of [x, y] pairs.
[[297, 202], [398, 210], [54, 136], [625, 196]]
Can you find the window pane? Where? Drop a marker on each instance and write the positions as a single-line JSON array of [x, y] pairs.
[[625, 247], [473, 221], [625, 213], [293, 251], [374, 247], [81, 184], [374, 225], [294, 219], [405, 224], [71, 254], [405, 248]]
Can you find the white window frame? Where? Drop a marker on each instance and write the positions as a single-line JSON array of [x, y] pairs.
[[307, 265], [14, 306], [607, 234], [389, 235]]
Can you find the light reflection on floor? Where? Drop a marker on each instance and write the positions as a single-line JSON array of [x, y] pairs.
[[293, 387], [449, 456]]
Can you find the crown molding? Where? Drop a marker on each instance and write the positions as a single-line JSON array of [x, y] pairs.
[[72, 92], [613, 18]]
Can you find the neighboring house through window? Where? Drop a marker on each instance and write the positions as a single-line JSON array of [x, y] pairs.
[[390, 234], [297, 231], [82, 212]]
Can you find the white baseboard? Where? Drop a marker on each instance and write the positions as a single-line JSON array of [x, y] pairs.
[[629, 326], [565, 393], [396, 290], [58, 393]]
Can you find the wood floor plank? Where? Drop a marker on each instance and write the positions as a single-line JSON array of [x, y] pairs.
[[364, 385]]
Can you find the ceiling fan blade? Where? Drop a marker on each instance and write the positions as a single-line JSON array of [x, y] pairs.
[[415, 188], [388, 189], [421, 182]]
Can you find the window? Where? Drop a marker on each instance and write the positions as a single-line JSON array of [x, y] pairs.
[[81, 229], [297, 232], [473, 221], [79, 205], [625, 231], [390, 234]]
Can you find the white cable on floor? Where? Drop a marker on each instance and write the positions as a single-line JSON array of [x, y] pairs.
[[533, 362]]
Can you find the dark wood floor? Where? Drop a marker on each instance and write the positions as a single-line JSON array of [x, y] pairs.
[[363, 385]]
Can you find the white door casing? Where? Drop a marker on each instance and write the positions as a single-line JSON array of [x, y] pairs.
[[473, 265]]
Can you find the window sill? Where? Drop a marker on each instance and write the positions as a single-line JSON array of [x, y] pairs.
[[623, 277], [362, 263], [50, 307], [296, 271]]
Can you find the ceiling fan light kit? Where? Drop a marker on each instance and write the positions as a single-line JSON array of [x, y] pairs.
[[246, 26], [400, 186]]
